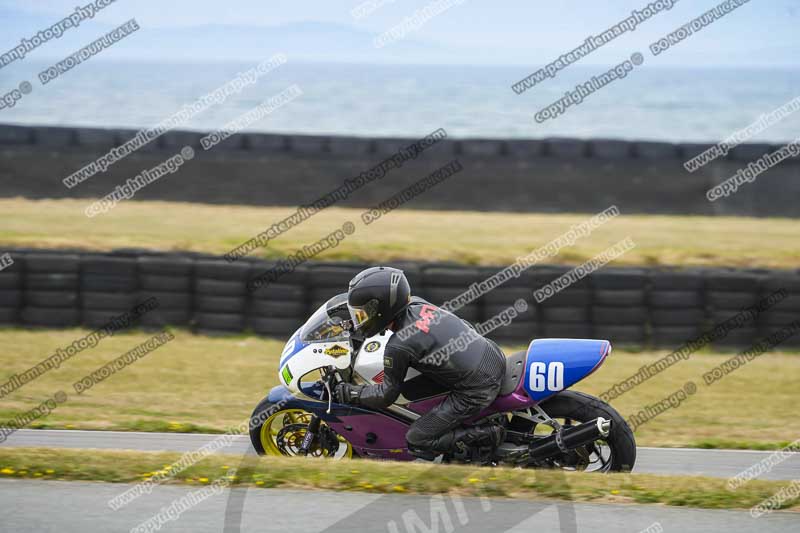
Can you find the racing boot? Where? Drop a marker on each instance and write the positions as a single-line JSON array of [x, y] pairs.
[[489, 435], [477, 444], [463, 442]]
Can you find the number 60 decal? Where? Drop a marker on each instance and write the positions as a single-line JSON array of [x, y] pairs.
[[548, 377]]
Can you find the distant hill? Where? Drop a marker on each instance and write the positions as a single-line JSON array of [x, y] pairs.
[[731, 42], [307, 41]]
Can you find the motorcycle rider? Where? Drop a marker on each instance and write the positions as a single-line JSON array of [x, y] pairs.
[[379, 299]]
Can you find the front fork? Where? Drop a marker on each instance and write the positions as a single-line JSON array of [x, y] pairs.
[[311, 435], [329, 378]]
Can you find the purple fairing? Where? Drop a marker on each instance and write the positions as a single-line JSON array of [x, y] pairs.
[[423, 406], [515, 401], [389, 435]]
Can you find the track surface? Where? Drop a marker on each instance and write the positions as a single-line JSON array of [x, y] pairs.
[[77, 507], [715, 463]]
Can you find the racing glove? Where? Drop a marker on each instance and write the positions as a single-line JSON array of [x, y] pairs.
[[347, 393]]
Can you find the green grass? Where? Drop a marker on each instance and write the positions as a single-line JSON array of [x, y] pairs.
[[387, 477], [464, 237], [727, 444], [209, 384]]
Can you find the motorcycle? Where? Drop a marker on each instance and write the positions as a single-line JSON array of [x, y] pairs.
[[547, 425]]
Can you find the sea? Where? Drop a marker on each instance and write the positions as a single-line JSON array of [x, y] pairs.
[[660, 104]]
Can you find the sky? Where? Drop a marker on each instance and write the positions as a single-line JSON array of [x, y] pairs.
[[761, 33]]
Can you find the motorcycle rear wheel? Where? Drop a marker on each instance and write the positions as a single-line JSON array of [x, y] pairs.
[[615, 453]]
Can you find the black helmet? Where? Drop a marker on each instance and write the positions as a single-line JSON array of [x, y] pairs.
[[375, 297]]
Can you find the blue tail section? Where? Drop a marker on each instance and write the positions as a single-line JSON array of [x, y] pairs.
[[553, 365]]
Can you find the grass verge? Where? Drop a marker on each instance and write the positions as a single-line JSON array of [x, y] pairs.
[[387, 477], [461, 236], [209, 384], [725, 444]]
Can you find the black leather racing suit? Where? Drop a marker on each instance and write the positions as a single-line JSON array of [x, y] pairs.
[[473, 374]]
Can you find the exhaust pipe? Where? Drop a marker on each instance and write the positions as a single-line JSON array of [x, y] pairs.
[[569, 438]]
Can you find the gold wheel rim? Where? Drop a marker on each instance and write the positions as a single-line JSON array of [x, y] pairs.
[[273, 425]]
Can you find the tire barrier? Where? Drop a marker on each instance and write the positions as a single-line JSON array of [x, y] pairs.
[[50, 290], [567, 313], [727, 293], [618, 305], [640, 177], [171, 281], [220, 295], [785, 311], [629, 306], [677, 307], [279, 308], [108, 287], [442, 284]]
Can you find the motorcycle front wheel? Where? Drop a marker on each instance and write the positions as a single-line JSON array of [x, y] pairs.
[[282, 432]]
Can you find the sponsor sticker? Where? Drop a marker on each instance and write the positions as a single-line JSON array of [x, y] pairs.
[[286, 374], [336, 351]]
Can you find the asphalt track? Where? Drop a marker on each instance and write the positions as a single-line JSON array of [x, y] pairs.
[[67, 507], [676, 461], [78, 507]]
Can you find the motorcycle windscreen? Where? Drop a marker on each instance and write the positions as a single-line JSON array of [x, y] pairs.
[[553, 365]]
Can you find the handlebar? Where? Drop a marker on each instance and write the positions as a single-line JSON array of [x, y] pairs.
[[330, 379]]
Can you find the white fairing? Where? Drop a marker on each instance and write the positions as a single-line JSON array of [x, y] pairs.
[[295, 364], [369, 361], [298, 359]]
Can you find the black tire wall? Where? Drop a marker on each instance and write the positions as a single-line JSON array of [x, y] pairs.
[[632, 306]]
